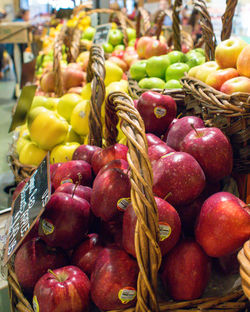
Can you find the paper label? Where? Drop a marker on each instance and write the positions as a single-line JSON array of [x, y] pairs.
[[123, 203], [35, 304], [66, 181], [47, 227], [165, 230], [127, 294], [160, 111]]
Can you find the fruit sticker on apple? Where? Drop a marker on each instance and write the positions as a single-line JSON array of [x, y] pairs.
[[127, 294]]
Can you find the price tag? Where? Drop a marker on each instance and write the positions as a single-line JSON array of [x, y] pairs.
[[102, 34], [28, 207], [23, 106]]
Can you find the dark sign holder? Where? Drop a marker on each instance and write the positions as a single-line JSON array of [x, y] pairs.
[[102, 34], [28, 207]]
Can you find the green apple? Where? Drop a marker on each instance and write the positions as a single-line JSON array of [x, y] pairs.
[[200, 50], [49, 103], [119, 47], [152, 83], [138, 70], [67, 103], [195, 59], [107, 47], [89, 33], [131, 43], [176, 57], [173, 84], [176, 71], [131, 32], [156, 66], [115, 37]]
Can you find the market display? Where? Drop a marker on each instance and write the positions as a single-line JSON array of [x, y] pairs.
[[156, 189]]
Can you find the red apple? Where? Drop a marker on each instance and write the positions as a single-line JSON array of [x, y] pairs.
[[114, 279], [102, 157], [33, 233], [155, 152], [65, 221], [72, 78], [157, 111], [19, 188], [229, 264], [130, 57], [75, 189], [218, 77], [227, 52], [86, 254], [33, 259], [238, 84], [141, 45], [64, 289], [116, 163], [181, 128], [47, 82], [212, 149], [243, 62], [186, 271], [53, 168], [169, 224], [179, 176], [85, 152], [164, 138], [74, 171], [110, 190], [223, 224], [153, 139], [155, 48]]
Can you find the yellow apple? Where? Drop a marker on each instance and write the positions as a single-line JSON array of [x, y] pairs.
[[80, 118], [72, 136], [86, 92], [205, 69], [21, 142], [31, 154], [113, 73], [63, 152], [67, 103], [47, 128], [83, 57], [243, 62]]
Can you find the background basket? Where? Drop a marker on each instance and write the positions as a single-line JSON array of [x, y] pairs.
[[230, 113]]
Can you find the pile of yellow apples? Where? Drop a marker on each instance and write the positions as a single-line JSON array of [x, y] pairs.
[[60, 125], [230, 72]]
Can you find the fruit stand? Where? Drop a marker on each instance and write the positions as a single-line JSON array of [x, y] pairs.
[[143, 213]]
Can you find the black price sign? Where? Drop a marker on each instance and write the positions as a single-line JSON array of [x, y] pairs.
[[102, 34], [28, 207]]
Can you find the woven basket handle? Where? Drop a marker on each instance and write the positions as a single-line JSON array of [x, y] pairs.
[[207, 29], [144, 18], [96, 75], [74, 47], [176, 24], [227, 19], [120, 105], [159, 19], [57, 65]]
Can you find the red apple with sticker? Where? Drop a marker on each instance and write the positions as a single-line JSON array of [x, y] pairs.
[[238, 84], [155, 152], [110, 191], [180, 129], [85, 152], [65, 221], [33, 259], [68, 288], [104, 156], [74, 171], [75, 189], [218, 77], [169, 227], [213, 151], [179, 176], [227, 52], [110, 290], [185, 271], [223, 224], [86, 254], [157, 111]]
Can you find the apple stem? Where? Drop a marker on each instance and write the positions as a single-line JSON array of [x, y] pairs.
[[56, 277], [178, 117], [168, 194], [79, 177], [76, 184], [197, 133]]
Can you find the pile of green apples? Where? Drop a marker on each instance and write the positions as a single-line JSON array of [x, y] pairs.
[[165, 71], [115, 40]]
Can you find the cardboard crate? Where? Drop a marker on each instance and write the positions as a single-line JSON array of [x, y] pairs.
[[14, 32]]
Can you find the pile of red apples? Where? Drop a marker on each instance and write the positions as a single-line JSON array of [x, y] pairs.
[[82, 251]]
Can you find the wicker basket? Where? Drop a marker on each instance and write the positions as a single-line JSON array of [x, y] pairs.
[[120, 105]]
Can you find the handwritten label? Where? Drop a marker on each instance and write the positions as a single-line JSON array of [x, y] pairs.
[[28, 207], [102, 34]]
